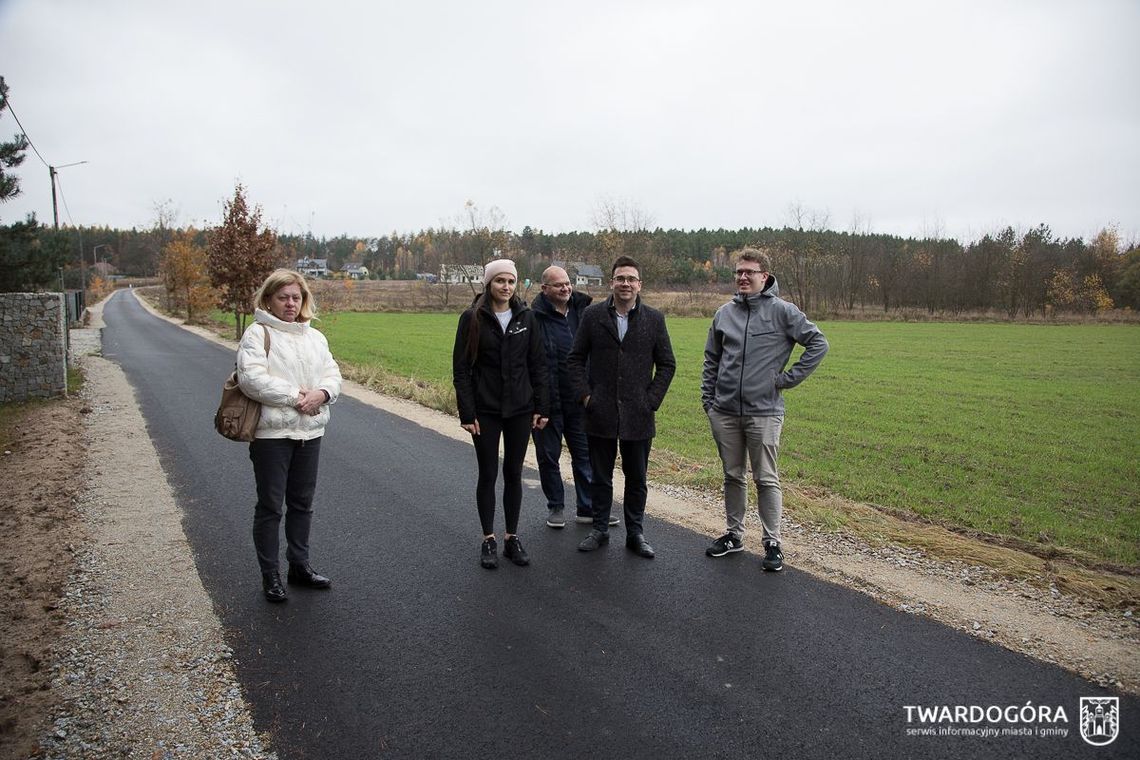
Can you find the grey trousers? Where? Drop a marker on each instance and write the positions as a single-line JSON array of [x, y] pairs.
[[738, 441]]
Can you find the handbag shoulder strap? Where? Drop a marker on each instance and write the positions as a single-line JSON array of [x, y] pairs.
[[265, 328]]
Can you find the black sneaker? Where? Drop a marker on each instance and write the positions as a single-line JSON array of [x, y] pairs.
[[489, 554], [726, 544], [556, 519], [773, 558], [513, 550]]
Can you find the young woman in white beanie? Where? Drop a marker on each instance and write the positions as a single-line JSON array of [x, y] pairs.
[[499, 371]]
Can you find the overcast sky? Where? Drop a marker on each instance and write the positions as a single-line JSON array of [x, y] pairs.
[[364, 118]]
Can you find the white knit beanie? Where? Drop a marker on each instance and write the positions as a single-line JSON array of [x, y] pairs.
[[498, 266]]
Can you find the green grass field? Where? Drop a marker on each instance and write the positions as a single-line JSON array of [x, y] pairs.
[[1024, 431]]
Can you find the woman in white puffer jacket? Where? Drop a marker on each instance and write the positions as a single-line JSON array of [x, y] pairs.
[[295, 383]]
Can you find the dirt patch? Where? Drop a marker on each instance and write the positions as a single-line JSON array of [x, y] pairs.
[[41, 465]]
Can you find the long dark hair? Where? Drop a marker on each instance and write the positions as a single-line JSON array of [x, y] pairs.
[[481, 309]]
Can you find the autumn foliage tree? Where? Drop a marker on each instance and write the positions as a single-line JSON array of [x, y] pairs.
[[185, 276], [240, 255]]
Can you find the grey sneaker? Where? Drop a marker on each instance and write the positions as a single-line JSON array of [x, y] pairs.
[[556, 519], [773, 558], [582, 519], [614, 520], [726, 544]]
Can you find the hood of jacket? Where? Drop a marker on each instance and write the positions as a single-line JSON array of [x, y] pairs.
[[771, 289], [263, 317]]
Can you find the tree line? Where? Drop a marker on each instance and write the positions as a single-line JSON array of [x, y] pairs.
[[1012, 273]]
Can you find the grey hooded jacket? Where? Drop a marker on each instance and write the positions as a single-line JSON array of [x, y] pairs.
[[749, 343]]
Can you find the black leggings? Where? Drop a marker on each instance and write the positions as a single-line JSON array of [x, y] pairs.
[[515, 432]]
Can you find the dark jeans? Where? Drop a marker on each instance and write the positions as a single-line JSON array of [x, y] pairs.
[[634, 465], [548, 449], [515, 432], [286, 474]]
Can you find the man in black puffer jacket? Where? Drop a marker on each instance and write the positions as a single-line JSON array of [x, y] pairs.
[[620, 369]]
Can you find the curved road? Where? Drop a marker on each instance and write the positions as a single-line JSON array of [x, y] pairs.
[[417, 652]]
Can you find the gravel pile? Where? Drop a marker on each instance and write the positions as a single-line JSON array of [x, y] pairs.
[[155, 686]]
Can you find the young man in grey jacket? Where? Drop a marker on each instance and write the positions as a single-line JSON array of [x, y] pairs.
[[749, 344]]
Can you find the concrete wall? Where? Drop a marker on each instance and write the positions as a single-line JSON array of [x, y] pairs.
[[33, 346]]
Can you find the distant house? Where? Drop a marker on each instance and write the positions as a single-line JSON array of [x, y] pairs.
[[427, 277], [460, 273], [355, 271], [588, 274], [105, 270], [581, 273], [313, 267]]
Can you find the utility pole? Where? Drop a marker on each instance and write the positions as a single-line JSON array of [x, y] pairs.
[[54, 206], [52, 172]]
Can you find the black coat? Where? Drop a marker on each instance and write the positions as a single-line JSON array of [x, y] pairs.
[[508, 376], [625, 380]]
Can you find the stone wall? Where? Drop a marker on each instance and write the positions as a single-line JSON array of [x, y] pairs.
[[33, 346]]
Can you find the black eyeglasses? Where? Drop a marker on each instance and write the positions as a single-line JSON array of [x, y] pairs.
[[627, 278], [748, 272]]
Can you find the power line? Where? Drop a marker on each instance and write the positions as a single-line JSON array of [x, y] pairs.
[[8, 102]]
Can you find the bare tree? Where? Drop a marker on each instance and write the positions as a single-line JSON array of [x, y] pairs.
[[623, 229], [621, 215], [804, 249], [477, 236], [856, 256]]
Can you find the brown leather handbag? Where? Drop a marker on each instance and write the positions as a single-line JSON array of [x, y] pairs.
[[238, 414]]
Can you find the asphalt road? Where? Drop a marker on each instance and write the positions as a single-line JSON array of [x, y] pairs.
[[418, 652]]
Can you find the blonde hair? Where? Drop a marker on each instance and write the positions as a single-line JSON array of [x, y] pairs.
[[756, 256], [280, 278]]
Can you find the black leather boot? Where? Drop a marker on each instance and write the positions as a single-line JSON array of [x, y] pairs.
[[274, 591], [303, 575]]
